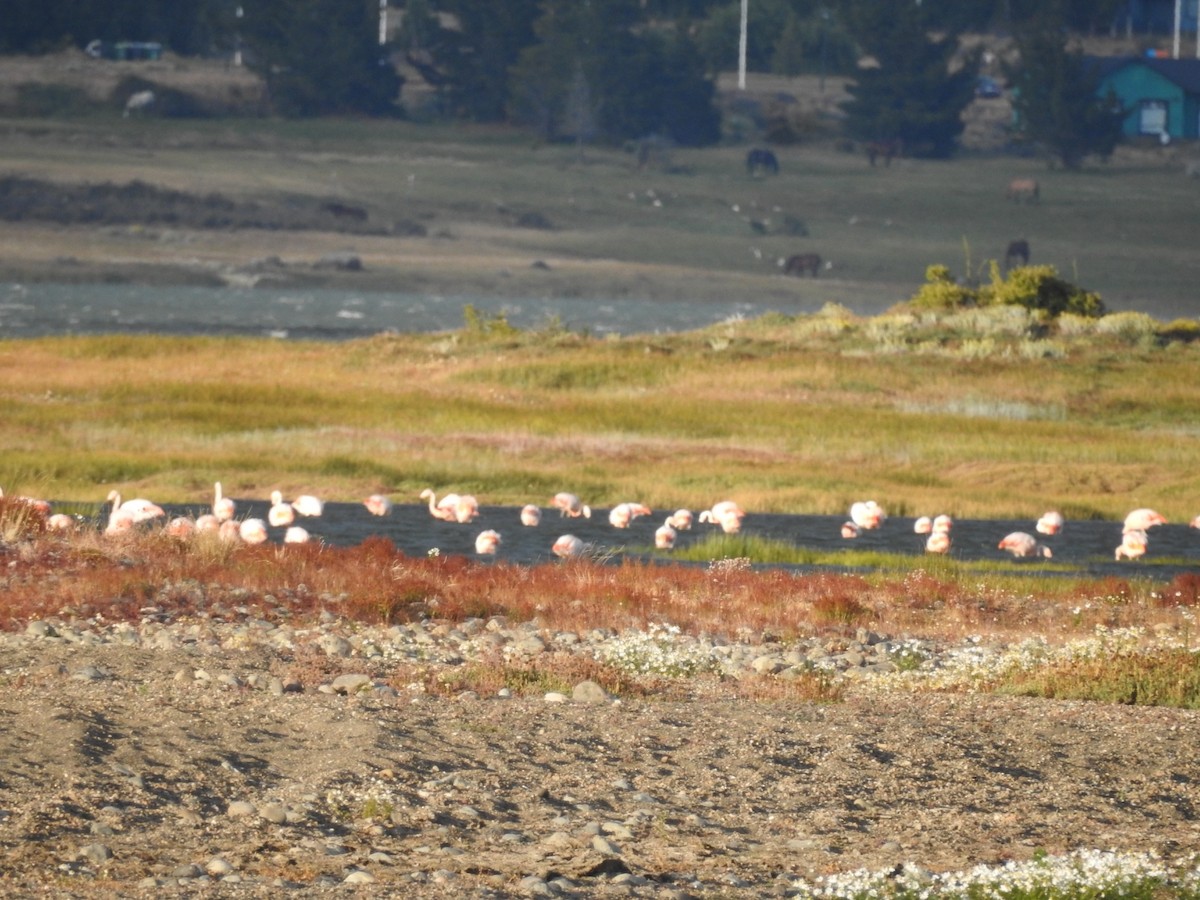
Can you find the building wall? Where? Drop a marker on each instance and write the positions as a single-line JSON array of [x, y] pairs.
[[1136, 85]]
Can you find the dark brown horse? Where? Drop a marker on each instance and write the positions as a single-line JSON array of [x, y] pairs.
[[887, 149], [1023, 190], [1017, 252], [799, 263]]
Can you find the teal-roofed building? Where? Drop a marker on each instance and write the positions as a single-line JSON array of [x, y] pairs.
[[1162, 95]]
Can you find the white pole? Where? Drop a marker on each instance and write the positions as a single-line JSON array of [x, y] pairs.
[[382, 22], [1178, 19], [742, 46]]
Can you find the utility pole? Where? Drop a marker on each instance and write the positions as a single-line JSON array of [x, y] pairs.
[[742, 46], [1178, 21], [382, 22]]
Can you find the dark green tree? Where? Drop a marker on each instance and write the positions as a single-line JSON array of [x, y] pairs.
[[1057, 98], [917, 88], [639, 80], [320, 56]]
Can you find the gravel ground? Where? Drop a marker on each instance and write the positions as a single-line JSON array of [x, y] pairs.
[[243, 759]]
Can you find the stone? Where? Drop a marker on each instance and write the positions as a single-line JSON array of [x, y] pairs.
[[589, 692], [351, 683]]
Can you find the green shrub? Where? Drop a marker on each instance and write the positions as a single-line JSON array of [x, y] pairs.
[[1036, 288]]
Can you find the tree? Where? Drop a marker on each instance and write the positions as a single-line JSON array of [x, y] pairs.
[[918, 90], [320, 56], [1056, 97]]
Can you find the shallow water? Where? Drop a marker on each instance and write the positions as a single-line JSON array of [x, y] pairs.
[[41, 309], [1086, 545]]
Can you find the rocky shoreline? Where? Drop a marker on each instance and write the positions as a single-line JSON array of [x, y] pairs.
[[255, 759]]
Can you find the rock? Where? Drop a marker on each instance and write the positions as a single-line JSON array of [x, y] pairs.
[[341, 262], [95, 853], [358, 876], [351, 683], [239, 809], [275, 813], [217, 866], [555, 697], [589, 692], [603, 845], [188, 870], [335, 645]]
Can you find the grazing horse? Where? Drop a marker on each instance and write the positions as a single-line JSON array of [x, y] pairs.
[[759, 158], [887, 149], [139, 102], [799, 263], [1023, 190], [1017, 252]]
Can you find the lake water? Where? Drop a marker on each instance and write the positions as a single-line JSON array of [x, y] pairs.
[[41, 309]]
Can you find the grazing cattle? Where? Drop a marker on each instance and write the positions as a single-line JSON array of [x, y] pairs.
[[1023, 190], [887, 149], [1017, 253], [139, 102], [759, 158], [799, 263]]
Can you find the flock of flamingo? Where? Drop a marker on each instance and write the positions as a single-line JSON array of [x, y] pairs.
[[464, 508]]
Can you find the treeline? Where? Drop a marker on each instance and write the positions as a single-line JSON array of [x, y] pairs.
[[603, 70]]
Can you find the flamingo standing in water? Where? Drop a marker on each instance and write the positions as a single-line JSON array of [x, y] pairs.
[[624, 513], [531, 516], [124, 516], [938, 542], [308, 505], [1024, 546], [923, 525], [378, 505], [452, 507], [181, 527], [850, 530], [570, 506], [487, 542], [280, 513], [665, 535], [1133, 545], [1143, 520], [1195, 523], [727, 514], [567, 546], [943, 524], [223, 507], [1050, 523], [867, 514], [681, 520]]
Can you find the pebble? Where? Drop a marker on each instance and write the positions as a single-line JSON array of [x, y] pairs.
[[239, 809]]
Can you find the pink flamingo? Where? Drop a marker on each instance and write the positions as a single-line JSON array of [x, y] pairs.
[[1133, 545], [1143, 520], [443, 510], [280, 513], [206, 523], [229, 531], [567, 546], [308, 505], [223, 507], [681, 520], [40, 507], [938, 542], [867, 514], [624, 513], [1024, 546], [378, 505], [295, 535], [181, 527], [727, 514], [124, 516], [487, 542], [570, 506], [60, 522], [1050, 523], [942, 525], [850, 530], [1195, 523], [923, 525], [253, 531], [531, 516], [665, 535]]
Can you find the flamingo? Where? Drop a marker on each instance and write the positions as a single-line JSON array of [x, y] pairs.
[[942, 525], [681, 520], [938, 542], [850, 530], [253, 531], [1143, 520], [624, 513], [295, 535], [223, 507], [443, 510], [181, 527], [40, 507], [1195, 523], [1133, 545], [280, 513], [1024, 546], [567, 546], [124, 516], [229, 531], [487, 542], [206, 523], [570, 506], [378, 505], [665, 535], [308, 505], [531, 516], [867, 514], [1050, 523], [727, 514], [60, 522], [923, 525], [467, 509]]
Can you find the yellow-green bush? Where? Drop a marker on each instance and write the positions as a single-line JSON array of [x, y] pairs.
[[1036, 288]]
